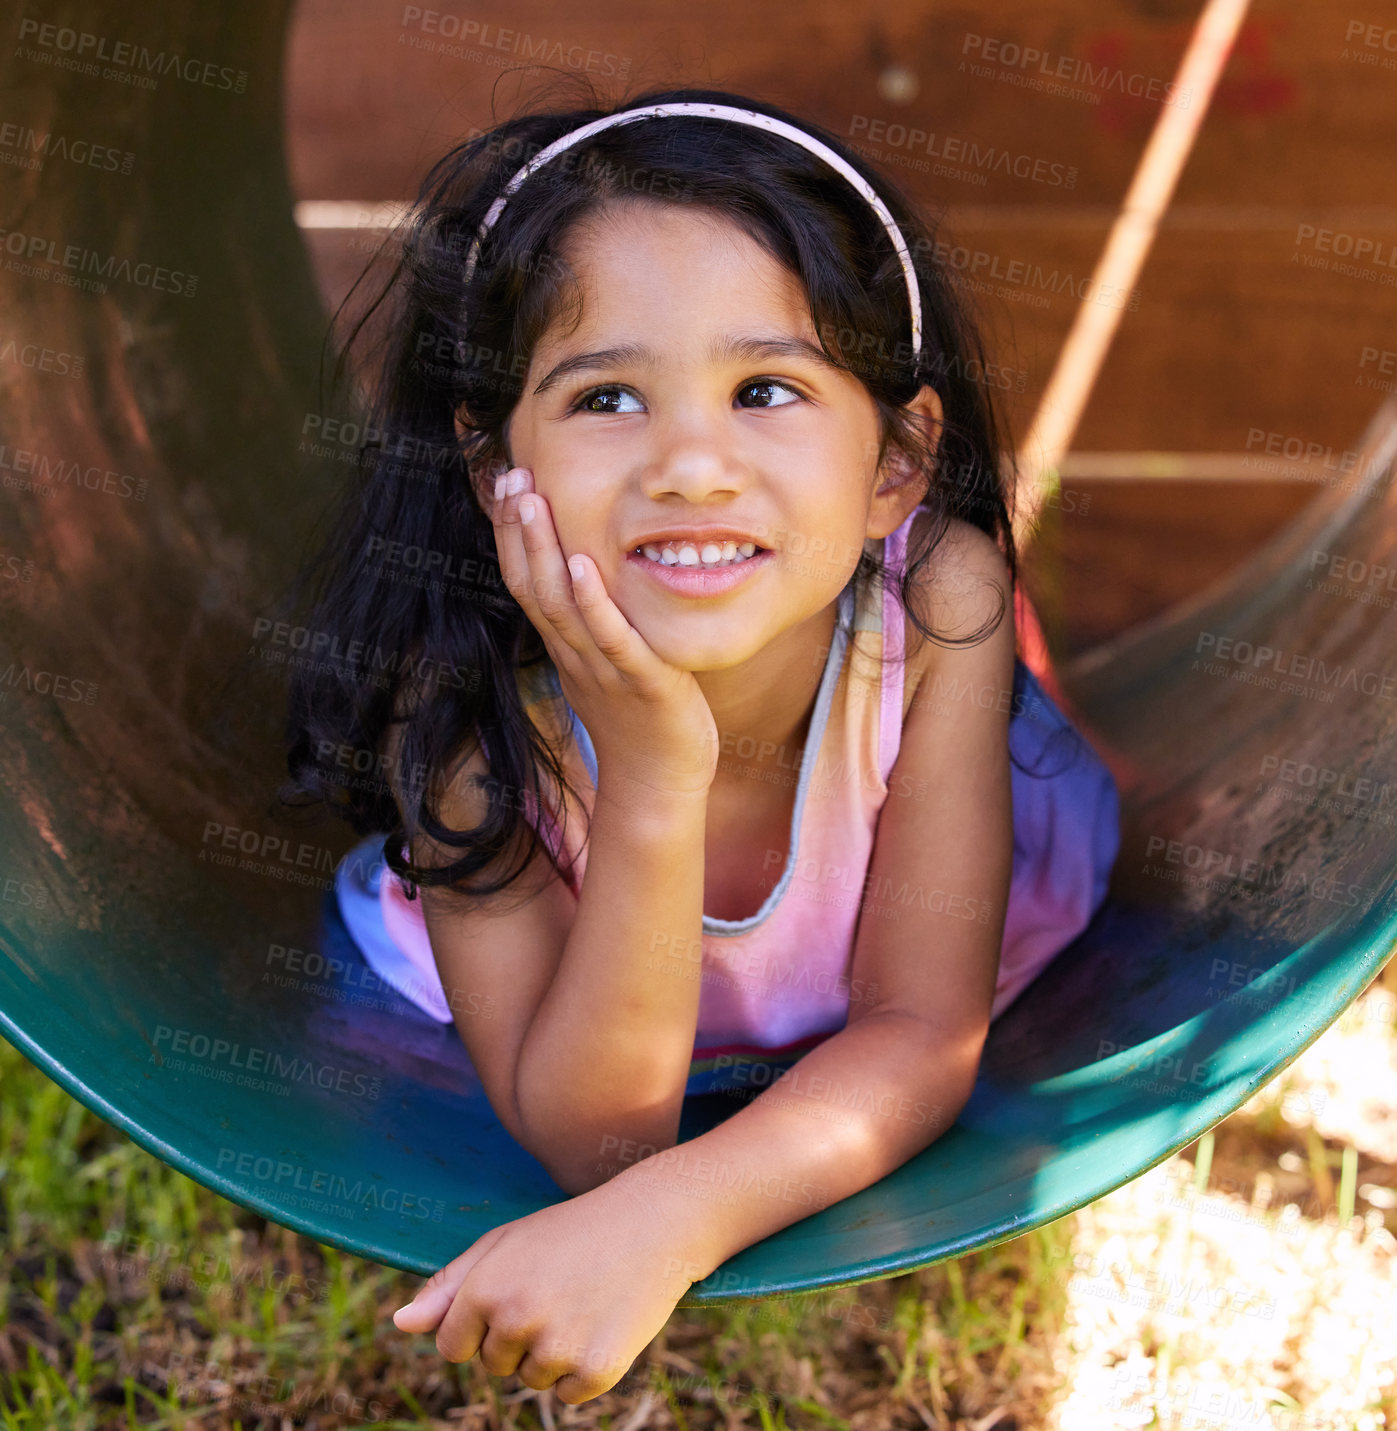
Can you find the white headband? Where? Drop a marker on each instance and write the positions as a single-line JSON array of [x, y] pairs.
[[737, 116]]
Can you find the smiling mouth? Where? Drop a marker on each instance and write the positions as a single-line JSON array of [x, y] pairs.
[[705, 556], [700, 580]]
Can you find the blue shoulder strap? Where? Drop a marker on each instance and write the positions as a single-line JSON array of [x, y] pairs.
[[584, 744]]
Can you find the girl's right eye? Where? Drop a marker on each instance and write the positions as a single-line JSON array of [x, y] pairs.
[[582, 403]]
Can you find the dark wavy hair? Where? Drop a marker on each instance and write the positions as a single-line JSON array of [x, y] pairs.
[[462, 348]]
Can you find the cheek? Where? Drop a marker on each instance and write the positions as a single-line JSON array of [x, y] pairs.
[[573, 523]]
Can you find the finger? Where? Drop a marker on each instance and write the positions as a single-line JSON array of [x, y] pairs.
[[575, 1372], [509, 545], [501, 1351], [534, 571], [607, 629], [538, 1370], [597, 1378], [463, 1329], [520, 566], [435, 1296], [550, 582]]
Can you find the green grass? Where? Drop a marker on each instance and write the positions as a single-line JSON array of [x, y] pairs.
[[132, 1296]]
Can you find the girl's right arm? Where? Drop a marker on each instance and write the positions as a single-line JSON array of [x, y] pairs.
[[579, 1014]]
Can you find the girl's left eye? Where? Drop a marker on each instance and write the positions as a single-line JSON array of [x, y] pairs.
[[770, 384], [612, 394]]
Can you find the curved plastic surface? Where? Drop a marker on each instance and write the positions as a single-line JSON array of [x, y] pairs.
[[167, 977]]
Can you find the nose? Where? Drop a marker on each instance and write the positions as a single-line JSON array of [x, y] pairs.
[[695, 457]]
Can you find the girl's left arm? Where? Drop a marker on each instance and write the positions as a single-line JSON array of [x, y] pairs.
[[855, 1108], [570, 1295]]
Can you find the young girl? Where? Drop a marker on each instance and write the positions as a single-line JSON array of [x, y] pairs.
[[718, 673]]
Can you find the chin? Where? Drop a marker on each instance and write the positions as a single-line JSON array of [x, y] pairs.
[[718, 653]]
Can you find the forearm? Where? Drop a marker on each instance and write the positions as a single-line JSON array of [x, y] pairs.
[[852, 1110], [607, 1054]]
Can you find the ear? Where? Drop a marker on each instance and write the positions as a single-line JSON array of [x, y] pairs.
[[900, 484], [482, 479]]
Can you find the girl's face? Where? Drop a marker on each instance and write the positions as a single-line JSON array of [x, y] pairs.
[[693, 393]]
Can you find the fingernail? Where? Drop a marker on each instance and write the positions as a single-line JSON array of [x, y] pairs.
[[526, 510], [514, 483], [499, 487], [575, 567]]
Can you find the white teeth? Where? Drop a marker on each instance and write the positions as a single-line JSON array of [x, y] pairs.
[[712, 553]]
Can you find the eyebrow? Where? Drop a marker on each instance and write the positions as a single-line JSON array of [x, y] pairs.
[[745, 348]]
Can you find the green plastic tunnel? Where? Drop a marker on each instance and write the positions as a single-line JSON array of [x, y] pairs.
[[161, 924]]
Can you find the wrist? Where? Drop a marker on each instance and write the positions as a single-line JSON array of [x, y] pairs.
[[641, 800], [695, 1236], [702, 1227]]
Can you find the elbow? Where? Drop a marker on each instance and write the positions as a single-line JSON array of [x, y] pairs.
[[568, 1166], [576, 1179], [579, 1175], [581, 1152], [579, 1166], [949, 1059], [562, 1164]]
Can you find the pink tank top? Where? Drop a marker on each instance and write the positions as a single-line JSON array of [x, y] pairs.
[[776, 984]]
